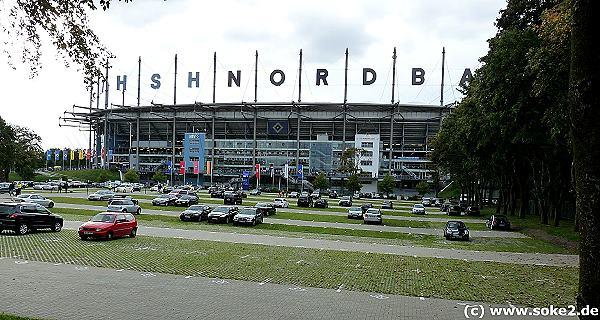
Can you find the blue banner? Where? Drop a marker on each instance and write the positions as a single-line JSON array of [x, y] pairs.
[[300, 171], [246, 180], [194, 145], [169, 166], [110, 154], [65, 155], [56, 154], [275, 127], [49, 155]]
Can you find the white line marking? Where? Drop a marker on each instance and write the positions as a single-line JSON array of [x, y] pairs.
[[147, 274], [378, 296], [220, 281], [264, 281], [188, 277], [339, 289], [21, 262]]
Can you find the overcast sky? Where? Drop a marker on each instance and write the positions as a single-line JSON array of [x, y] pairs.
[[157, 30]]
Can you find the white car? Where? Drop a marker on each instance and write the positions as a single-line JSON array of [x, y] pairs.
[[280, 203], [36, 198], [418, 209], [426, 202], [373, 215], [124, 188]]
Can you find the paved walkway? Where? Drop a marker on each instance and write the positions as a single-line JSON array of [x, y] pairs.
[[467, 255], [59, 291], [355, 226]]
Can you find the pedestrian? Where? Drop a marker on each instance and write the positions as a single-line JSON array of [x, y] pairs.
[[66, 187], [18, 191], [11, 189], [59, 187]]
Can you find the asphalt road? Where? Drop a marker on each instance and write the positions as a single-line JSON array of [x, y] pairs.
[[425, 231], [467, 255], [64, 291]]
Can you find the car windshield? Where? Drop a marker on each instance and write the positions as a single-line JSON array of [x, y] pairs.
[[248, 211], [373, 211], [196, 208], [263, 205], [103, 217], [221, 209], [345, 198], [455, 225], [116, 203], [164, 196], [6, 209], [278, 200], [355, 209], [419, 206]]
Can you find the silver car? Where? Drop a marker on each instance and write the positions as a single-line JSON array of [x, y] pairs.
[[418, 209], [373, 215], [248, 216], [124, 205], [355, 213], [101, 195], [36, 198]]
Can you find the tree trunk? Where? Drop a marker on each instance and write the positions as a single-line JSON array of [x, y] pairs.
[[585, 135]]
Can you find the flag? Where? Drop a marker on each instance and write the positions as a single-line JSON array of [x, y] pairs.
[[49, 155], [56, 154], [257, 167], [209, 167], [169, 166], [196, 167], [300, 171], [272, 170], [72, 154], [182, 167], [65, 155], [286, 171], [103, 153], [110, 154], [80, 154], [88, 155]]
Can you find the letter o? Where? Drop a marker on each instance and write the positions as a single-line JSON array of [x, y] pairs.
[[281, 74]]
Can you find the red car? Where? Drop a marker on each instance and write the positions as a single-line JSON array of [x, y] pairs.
[[108, 225]]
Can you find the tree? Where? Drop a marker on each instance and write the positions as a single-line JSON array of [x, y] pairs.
[[28, 153], [585, 133], [349, 160], [387, 184], [102, 177], [131, 176], [7, 145], [321, 182], [422, 188], [353, 184], [65, 22], [159, 177]]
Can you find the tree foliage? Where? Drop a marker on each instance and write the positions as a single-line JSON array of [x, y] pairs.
[[131, 176], [353, 183], [422, 188], [321, 182], [349, 161], [387, 184], [20, 151], [65, 23], [159, 177]]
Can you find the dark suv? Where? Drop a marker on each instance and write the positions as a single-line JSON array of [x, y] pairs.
[[305, 201], [23, 218], [230, 197], [454, 210]]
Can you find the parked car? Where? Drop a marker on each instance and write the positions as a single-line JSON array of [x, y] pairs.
[[366, 207], [255, 192], [232, 197], [293, 194], [357, 195], [36, 198], [498, 222], [333, 195], [355, 213], [456, 230], [101, 195], [445, 206], [248, 215], [122, 197], [222, 214], [109, 225], [167, 190], [304, 201], [124, 188], [387, 204], [280, 203], [164, 200], [216, 194], [345, 201], [23, 218], [4, 187], [186, 200], [124, 205], [197, 212], [179, 192], [454, 210], [373, 215], [266, 208], [426, 202], [438, 202], [316, 194], [473, 211], [418, 209], [320, 203]]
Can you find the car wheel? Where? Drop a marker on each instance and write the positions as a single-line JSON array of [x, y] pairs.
[[227, 220], [109, 236], [22, 229], [133, 233], [254, 223], [51, 204], [83, 238], [57, 226], [139, 211], [466, 238]]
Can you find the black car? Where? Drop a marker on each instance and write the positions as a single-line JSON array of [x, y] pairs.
[[167, 189], [216, 194], [345, 201], [498, 222], [473, 211], [456, 230], [164, 200], [320, 203], [4, 187], [265, 208], [197, 212], [222, 214], [333, 195], [454, 210], [387, 204], [23, 218], [366, 207], [250, 215], [305, 201], [231, 197], [186, 200]]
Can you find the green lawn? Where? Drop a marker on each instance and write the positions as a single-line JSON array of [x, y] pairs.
[[367, 272], [4, 316], [397, 238]]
